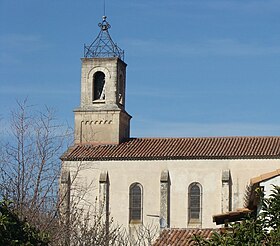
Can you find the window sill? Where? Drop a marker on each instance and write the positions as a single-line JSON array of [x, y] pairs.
[[98, 101], [194, 221], [134, 222], [194, 224]]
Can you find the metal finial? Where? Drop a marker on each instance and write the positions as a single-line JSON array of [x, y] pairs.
[[105, 24]]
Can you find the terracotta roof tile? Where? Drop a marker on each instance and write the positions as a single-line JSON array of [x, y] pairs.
[[179, 148], [181, 237]]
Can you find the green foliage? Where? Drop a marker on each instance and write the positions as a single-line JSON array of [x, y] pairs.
[[15, 232], [260, 230]]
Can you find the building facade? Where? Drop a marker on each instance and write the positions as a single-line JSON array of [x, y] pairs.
[[167, 182]]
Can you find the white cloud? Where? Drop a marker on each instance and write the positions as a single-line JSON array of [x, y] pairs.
[[160, 6], [15, 39], [150, 128], [13, 46], [29, 90], [223, 47], [245, 6], [23, 42], [6, 58]]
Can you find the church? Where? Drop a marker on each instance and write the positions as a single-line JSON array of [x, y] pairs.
[[166, 182]]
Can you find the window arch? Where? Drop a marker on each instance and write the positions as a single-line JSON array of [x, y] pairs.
[[195, 199], [135, 203], [99, 86]]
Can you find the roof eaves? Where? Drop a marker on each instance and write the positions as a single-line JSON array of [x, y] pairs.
[[264, 177], [147, 158], [231, 216]]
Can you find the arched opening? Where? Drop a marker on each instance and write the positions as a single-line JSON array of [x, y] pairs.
[[195, 196], [135, 203], [121, 89], [99, 86]]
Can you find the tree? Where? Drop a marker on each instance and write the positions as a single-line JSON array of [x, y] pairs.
[[30, 172], [270, 216], [14, 231], [30, 165], [263, 229]]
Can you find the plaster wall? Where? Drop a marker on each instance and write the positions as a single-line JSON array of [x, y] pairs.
[[112, 68], [101, 127], [102, 120], [182, 173], [268, 185]]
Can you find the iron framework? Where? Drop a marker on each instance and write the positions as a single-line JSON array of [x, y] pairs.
[[103, 46]]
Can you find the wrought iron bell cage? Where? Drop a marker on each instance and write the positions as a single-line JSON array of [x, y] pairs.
[[103, 46]]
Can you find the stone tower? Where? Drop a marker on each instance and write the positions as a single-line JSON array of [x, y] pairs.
[[101, 117]]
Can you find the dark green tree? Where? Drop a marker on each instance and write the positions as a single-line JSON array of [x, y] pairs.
[[263, 229], [14, 231]]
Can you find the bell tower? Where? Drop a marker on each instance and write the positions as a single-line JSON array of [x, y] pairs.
[[101, 117]]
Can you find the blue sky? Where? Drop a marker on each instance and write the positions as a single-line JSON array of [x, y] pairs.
[[195, 67]]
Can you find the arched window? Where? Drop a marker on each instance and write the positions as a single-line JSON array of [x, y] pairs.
[[135, 203], [195, 195], [121, 90], [99, 86]]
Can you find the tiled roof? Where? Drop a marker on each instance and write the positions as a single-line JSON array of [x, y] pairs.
[[179, 148], [181, 237], [264, 177]]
